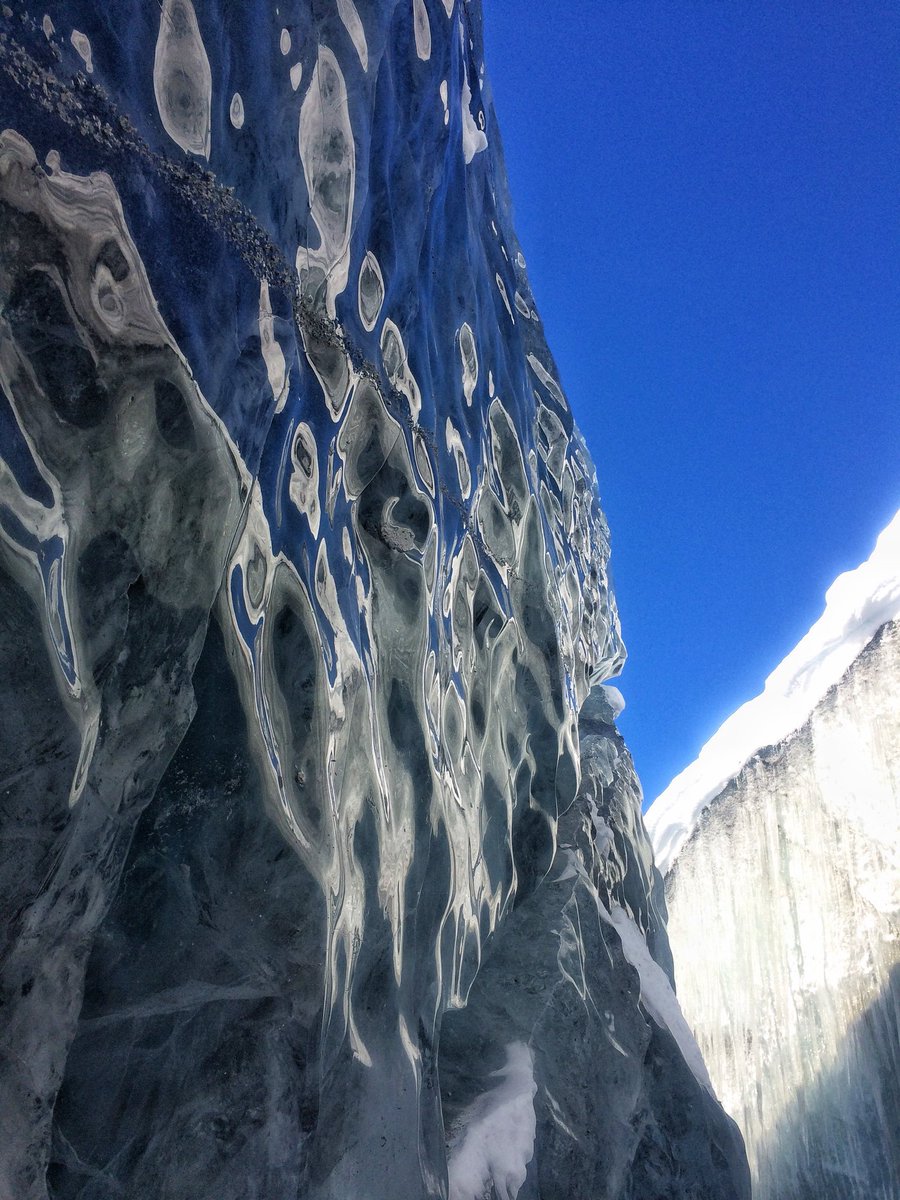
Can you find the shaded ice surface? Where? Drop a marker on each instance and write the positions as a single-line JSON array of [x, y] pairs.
[[322, 869], [784, 915]]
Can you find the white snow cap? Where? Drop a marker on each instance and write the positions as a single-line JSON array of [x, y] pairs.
[[857, 604]]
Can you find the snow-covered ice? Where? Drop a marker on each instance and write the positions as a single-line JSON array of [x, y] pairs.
[[856, 605]]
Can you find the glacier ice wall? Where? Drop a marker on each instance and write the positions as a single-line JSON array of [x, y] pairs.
[[784, 914], [318, 877], [857, 604]]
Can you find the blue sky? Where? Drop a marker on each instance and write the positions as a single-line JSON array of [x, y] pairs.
[[708, 196]]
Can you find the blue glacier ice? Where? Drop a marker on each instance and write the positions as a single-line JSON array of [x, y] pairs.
[[322, 873]]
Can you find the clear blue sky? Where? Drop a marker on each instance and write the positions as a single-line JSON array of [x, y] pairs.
[[708, 196]]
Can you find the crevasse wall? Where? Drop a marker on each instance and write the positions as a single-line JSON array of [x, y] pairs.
[[792, 876], [318, 876]]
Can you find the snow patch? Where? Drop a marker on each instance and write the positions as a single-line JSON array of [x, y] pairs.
[[493, 1141], [857, 604]]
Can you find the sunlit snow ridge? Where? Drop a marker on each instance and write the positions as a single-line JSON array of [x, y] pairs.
[[857, 604]]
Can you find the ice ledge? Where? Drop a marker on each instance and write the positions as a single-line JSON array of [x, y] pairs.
[[857, 604]]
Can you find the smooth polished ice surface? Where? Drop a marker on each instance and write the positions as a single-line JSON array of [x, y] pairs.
[[784, 916], [320, 852]]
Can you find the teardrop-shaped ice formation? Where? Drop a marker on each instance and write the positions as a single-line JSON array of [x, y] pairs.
[[469, 356], [370, 290], [182, 82], [236, 110], [83, 47], [328, 155], [422, 28]]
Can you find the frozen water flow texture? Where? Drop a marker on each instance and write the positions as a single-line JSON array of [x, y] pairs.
[[322, 868]]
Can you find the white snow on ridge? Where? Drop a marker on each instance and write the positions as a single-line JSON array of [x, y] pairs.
[[857, 604]]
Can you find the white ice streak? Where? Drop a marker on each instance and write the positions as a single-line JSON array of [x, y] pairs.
[[236, 111], [273, 357], [501, 288], [456, 447], [547, 380], [354, 26], [493, 1141], [857, 604], [657, 995]]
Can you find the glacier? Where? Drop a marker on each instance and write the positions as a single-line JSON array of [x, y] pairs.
[[322, 869], [781, 851]]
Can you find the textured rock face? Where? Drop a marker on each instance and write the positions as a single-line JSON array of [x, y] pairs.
[[311, 884], [792, 874]]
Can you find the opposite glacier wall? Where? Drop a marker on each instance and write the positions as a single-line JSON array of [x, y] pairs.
[[783, 890], [322, 870]]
